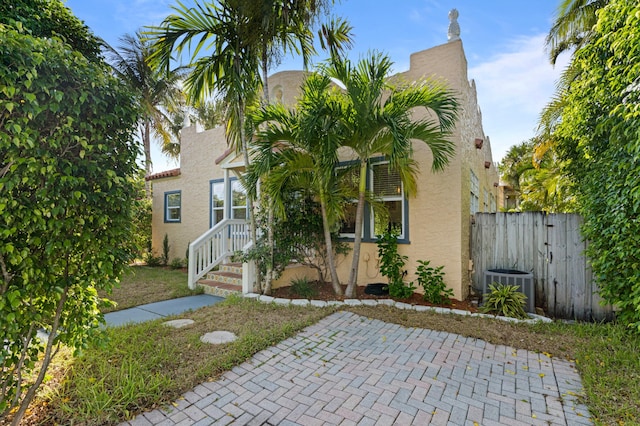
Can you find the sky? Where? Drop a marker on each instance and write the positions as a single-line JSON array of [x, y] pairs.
[[503, 42]]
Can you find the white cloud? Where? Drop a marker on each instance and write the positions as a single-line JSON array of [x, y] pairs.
[[513, 88]]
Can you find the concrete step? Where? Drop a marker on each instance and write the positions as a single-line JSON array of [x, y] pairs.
[[224, 277], [234, 268], [216, 288]]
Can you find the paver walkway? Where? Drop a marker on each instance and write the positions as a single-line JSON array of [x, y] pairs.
[[351, 370]]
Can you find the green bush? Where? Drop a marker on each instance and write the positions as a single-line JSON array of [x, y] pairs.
[[177, 263], [303, 288], [165, 250], [152, 260], [392, 265], [505, 300], [432, 281]]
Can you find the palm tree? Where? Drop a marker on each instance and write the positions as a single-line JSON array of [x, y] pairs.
[[296, 150], [158, 94], [573, 25], [378, 120], [242, 38]]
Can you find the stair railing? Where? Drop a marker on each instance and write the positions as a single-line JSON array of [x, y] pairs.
[[214, 246]]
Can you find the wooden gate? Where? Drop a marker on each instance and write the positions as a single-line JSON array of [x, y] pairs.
[[548, 245]]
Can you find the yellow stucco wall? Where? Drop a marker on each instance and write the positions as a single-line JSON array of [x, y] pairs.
[[199, 152], [439, 214]]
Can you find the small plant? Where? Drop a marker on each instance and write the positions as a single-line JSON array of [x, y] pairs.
[[177, 263], [505, 300], [432, 281], [165, 250], [303, 288], [392, 265], [152, 260]]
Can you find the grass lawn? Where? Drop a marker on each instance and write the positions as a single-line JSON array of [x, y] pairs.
[[140, 367], [144, 284]]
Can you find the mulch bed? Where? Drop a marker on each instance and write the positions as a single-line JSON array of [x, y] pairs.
[[326, 293]]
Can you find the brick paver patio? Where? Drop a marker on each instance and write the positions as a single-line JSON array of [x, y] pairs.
[[352, 370]]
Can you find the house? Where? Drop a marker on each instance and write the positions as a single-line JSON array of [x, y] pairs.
[[204, 203]]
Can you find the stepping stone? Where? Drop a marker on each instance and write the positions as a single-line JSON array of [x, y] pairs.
[[218, 337], [178, 323]]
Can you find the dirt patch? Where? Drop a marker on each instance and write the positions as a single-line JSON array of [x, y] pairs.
[[324, 291]]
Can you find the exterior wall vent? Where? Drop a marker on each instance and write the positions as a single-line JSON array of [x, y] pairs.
[[479, 143], [524, 280]]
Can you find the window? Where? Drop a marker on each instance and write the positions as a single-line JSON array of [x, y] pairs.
[[172, 210], [493, 203], [236, 209], [386, 185], [217, 202], [475, 193], [238, 200], [350, 178]]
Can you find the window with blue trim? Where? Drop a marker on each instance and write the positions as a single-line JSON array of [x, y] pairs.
[[386, 185], [217, 202], [238, 206], [173, 206]]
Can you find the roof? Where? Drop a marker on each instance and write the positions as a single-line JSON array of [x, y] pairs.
[[165, 174]]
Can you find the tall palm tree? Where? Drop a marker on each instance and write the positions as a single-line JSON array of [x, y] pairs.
[[158, 94], [378, 119], [298, 150], [241, 38], [573, 25]]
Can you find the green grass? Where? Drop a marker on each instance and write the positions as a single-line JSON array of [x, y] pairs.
[[143, 366], [144, 284]]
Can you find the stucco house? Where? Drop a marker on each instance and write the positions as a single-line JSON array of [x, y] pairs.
[[203, 203]]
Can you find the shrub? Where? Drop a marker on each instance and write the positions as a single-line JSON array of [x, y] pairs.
[[432, 281], [177, 263], [392, 265], [303, 288], [505, 300], [165, 250], [152, 260]]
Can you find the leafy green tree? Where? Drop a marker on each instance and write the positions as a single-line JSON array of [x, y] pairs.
[[66, 155], [158, 95], [598, 137], [538, 178], [51, 18], [377, 118]]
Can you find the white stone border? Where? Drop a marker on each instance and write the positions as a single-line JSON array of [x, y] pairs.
[[533, 318]]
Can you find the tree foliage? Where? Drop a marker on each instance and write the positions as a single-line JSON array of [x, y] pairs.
[[66, 156], [599, 136], [538, 178]]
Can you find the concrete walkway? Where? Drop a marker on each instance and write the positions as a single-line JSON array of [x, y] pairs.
[[352, 370], [162, 309]]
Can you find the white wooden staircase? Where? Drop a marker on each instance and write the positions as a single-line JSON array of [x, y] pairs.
[[214, 248]]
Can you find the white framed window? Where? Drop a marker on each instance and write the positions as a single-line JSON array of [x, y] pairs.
[[475, 193], [217, 202], [238, 200], [173, 206], [386, 184]]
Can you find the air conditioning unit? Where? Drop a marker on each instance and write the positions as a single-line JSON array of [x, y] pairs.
[[522, 279]]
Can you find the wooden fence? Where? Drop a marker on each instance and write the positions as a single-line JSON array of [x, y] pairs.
[[548, 245]]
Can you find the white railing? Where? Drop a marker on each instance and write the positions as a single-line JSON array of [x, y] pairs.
[[215, 245]]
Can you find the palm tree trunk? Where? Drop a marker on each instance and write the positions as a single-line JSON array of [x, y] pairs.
[[335, 282], [146, 141], [269, 275], [357, 241], [245, 155]]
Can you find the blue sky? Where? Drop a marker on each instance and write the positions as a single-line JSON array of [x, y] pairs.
[[503, 42]]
